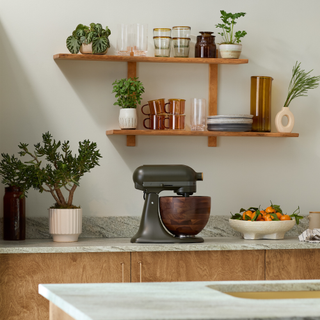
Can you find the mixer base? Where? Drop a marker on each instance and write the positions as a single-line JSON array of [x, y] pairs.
[[169, 240]]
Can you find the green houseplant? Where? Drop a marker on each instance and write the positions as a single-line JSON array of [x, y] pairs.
[[230, 46], [300, 83], [93, 39], [51, 167], [128, 93]]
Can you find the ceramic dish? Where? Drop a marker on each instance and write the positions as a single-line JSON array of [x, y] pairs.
[[247, 116], [262, 229], [229, 120], [231, 128]]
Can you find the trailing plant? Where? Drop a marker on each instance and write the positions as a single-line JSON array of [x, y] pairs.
[[128, 92], [94, 34], [52, 168], [228, 34], [300, 83]]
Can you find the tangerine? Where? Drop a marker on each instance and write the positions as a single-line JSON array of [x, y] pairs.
[[270, 210], [285, 217]]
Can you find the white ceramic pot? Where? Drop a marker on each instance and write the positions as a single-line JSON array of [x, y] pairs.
[[65, 225], [230, 51], [128, 118], [87, 49], [285, 112]]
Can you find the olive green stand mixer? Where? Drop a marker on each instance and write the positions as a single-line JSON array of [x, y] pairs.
[[152, 179]]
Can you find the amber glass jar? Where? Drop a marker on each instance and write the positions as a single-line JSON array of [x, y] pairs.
[[260, 105], [14, 219], [205, 46]]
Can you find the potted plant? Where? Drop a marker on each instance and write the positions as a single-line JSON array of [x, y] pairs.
[[128, 93], [300, 83], [230, 46], [16, 177], [93, 39], [53, 168]]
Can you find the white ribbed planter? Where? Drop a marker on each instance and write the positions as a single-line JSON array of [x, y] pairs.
[[65, 225], [230, 51], [128, 118]]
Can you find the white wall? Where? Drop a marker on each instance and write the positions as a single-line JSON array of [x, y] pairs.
[[73, 100]]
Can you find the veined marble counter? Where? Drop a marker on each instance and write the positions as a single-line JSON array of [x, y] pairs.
[[180, 300], [124, 245]]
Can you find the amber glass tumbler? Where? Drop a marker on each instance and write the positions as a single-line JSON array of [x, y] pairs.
[[260, 106]]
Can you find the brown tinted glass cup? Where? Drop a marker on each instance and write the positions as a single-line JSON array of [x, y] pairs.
[[176, 106], [156, 106], [175, 122], [156, 122]]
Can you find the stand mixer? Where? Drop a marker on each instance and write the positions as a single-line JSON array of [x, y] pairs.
[[181, 179]]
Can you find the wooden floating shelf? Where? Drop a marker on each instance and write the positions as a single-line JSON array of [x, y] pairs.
[[132, 133], [91, 57]]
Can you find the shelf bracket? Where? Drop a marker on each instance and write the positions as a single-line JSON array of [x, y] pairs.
[[213, 98]]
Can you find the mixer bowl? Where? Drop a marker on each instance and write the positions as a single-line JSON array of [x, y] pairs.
[[185, 216]]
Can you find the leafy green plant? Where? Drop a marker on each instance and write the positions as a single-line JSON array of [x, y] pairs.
[[52, 167], [94, 34], [128, 92], [228, 34], [300, 83]]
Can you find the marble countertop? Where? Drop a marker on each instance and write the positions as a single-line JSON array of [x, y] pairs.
[[181, 300], [124, 245]]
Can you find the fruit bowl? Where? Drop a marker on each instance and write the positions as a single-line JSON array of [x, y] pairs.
[[262, 229]]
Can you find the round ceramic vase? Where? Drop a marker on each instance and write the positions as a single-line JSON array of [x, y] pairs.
[[128, 118], [285, 112], [230, 51], [65, 225]]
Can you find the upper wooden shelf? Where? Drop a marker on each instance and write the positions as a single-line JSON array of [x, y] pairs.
[[91, 57]]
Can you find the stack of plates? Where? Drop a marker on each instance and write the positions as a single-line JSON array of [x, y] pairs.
[[231, 122]]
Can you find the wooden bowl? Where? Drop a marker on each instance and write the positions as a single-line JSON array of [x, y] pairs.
[[185, 216]]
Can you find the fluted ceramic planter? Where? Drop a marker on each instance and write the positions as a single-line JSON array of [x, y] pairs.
[[65, 225], [87, 49], [285, 112], [230, 51], [128, 118]]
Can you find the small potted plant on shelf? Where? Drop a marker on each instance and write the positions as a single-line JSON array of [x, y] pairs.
[[300, 83], [52, 168], [230, 46], [93, 39], [128, 93]]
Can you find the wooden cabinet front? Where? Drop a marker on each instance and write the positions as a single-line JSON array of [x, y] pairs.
[[197, 266], [20, 275]]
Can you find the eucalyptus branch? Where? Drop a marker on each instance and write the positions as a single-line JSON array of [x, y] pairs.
[[300, 83]]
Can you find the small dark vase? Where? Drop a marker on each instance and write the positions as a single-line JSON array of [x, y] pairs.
[[14, 218], [205, 46]]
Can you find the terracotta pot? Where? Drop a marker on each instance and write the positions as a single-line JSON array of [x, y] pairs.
[[87, 49]]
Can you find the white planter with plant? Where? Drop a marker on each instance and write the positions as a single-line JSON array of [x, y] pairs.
[[230, 47], [53, 168], [89, 40], [300, 83], [128, 93]]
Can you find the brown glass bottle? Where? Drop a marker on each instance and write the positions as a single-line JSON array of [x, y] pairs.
[[14, 219], [205, 46]]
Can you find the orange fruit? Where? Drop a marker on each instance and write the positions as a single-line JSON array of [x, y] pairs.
[[279, 215], [247, 213], [262, 212], [285, 217], [270, 210]]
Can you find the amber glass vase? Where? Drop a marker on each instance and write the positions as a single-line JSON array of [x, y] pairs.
[[260, 105], [14, 219]]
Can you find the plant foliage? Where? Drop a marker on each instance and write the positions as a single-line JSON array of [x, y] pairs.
[[52, 167], [128, 92], [94, 34], [300, 83], [227, 26]]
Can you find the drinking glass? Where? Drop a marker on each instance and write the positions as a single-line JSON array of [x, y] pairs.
[[198, 114], [140, 39], [180, 47], [124, 40]]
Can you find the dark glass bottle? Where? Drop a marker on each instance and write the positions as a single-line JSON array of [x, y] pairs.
[[205, 46], [14, 219]]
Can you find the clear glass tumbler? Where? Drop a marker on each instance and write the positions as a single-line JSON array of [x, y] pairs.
[[124, 40], [140, 39], [198, 114]]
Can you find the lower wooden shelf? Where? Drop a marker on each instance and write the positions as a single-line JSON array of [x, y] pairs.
[[131, 134]]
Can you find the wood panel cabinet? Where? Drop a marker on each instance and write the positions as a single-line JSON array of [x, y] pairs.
[[21, 274], [197, 266], [293, 264]]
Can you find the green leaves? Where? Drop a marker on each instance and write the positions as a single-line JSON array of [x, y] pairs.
[[73, 44], [300, 83], [100, 45], [228, 19], [128, 92]]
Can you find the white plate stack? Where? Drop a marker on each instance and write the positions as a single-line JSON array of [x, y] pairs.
[[231, 122]]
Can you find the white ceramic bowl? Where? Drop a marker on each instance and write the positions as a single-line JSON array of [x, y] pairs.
[[262, 229]]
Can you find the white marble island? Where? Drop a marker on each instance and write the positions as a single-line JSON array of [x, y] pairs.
[[180, 300]]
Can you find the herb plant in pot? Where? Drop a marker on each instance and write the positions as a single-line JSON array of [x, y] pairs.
[[128, 93], [230, 46], [300, 83], [53, 168], [92, 40]]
